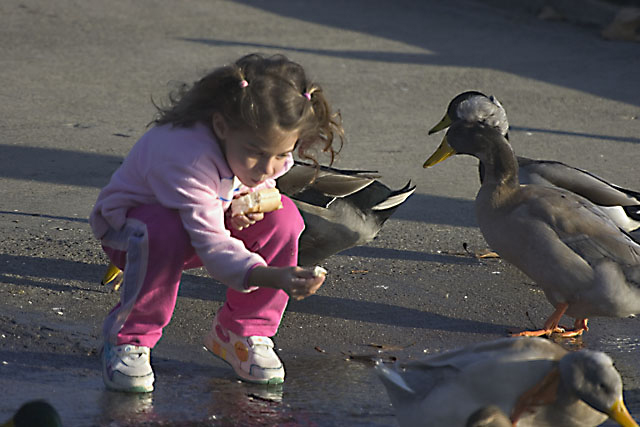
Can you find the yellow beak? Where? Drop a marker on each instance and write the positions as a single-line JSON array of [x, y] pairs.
[[444, 123], [620, 414], [443, 152], [110, 275], [113, 276]]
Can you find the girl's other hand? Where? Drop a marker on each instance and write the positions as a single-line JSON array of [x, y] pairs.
[[303, 283], [240, 222], [298, 282]]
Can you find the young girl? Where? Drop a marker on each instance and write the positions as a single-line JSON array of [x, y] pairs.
[[166, 209]]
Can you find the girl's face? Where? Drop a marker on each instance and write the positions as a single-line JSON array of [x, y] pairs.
[[253, 158]]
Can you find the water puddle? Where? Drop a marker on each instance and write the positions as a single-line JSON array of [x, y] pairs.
[[320, 390]]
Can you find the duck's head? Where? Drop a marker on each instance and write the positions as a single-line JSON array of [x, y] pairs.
[[470, 107], [35, 413], [476, 107], [593, 378], [475, 139]]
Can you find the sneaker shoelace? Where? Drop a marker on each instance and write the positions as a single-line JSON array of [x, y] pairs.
[[132, 351]]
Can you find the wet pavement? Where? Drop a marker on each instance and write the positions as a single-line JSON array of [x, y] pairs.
[[77, 80]]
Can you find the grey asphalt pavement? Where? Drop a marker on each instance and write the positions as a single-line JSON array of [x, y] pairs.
[[77, 79]]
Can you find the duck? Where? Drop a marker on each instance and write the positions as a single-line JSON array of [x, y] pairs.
[[35, 413], [621, 204], [585, 264], [531, 380], [341, 209]]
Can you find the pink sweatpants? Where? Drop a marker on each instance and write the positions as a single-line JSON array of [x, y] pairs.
[[154, 249]]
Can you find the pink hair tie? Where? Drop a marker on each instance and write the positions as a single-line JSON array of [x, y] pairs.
[[307, 95], [244, 83]]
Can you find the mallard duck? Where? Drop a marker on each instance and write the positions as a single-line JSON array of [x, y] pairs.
[[584, 263], [341, 209], [533, 380], [35, 413], [621, 204]]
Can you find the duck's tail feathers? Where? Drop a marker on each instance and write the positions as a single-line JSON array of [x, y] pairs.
[[632, 212], [392, 379], [396, 198]]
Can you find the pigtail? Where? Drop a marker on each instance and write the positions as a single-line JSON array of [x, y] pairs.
[[245, 106], [327, 126]]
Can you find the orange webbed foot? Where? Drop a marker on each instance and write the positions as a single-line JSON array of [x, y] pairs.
[[579, 327], [539, 332], [551, 326]]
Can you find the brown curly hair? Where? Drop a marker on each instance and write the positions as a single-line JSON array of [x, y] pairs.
[[259, 93]]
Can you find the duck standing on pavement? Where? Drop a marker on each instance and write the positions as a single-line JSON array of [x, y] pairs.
[[585, 264]]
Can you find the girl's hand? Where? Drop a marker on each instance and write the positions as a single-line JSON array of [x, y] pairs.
[[303, 283], [298, 282], [240, 222]]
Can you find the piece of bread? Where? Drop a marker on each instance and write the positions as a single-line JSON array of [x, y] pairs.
[[318, 271], [265, 200]]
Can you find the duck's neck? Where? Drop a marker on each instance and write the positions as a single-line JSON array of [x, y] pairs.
[[499, 167]]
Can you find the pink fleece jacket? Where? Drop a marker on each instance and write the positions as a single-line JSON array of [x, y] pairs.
[[183, 169]]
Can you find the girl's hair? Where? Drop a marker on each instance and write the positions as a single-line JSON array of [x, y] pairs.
[[259, 93]]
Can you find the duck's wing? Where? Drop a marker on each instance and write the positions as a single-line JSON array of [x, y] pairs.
[[587, 185], [490, 356], [331, 182], [582, 226], [579, 181], [519, 348]]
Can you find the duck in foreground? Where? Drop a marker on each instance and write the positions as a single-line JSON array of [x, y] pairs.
[[534, 381], [621, 204], [35, 413], [583, 262], [341, 209]]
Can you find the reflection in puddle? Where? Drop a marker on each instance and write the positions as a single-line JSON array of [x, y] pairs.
[[236, 403], [126, 408], [620, 344], [319, 390]]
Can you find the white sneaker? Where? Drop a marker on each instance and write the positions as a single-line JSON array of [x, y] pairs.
[[127, 367], [253, 358]]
